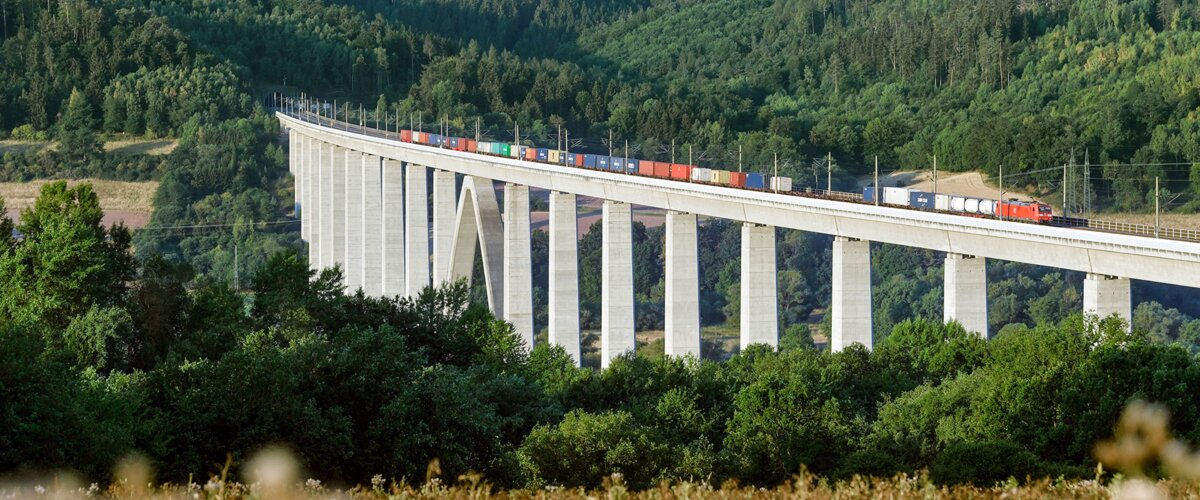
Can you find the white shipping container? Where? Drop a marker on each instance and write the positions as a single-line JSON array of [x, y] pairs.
[[987, 207], [972, 206], [701, 174], [514, 150], [714, 176], [781, 183], [895, 196], [941, 202]]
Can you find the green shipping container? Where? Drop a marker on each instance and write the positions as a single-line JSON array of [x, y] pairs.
[[504, 149]]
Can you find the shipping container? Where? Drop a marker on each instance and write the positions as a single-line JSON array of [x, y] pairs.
[[987, 207], [958, 204], [737, 179], [896, 196], [571, 158], [662, 170], [617, 164], [504, 149], [631, 165], [681, 172], [529, 153], [724, 177], [702, 174], [941, 202], [553, 157], [543, 154], [589, 161], [781, 184], [972, 206], [756, 180], [921, 199], [406, 135], [472, 146], [454, 142], [602, 162], [645, 167], [869, 194]]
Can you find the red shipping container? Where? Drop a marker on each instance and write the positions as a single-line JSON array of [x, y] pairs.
[[737, 179], [578, 159], [406, 135], [646, 168], [531, 153], [662, 170], [470, 146], [681, 172]]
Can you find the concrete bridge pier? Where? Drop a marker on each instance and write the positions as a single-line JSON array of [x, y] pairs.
[[416, 230], [372, 227], [327, 201], [682, 276], [443, 224], [392, 210], [617, 323], [304, 186], [759, 298], [518, 262], [965, 292], [354, 220], [564, 274], [316, 209], [1107, 295], [851, 304], [337, 177], [479, 225]]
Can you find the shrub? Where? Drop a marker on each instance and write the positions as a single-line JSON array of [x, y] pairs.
[[26, 132], [983, 463]]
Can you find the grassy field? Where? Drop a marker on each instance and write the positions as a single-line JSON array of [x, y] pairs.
[[139, 485], [130, 146], [114, 196]]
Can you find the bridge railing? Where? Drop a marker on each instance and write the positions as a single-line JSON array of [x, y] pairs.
[[1169, 233]]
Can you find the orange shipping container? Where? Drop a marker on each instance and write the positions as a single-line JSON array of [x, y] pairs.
[[737, 179], [406, 135], [662, 170], [471, 145], [681, 172], [646, 167]]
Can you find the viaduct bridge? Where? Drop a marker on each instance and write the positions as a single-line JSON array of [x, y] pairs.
[[364, 202]]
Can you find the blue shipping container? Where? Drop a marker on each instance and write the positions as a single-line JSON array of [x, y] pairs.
[[602, 162], [756, 181], [543, 154], [589, 161], [921, 199], [435, 140], [571, 159], [869, 194], [454, 142], [631, 165], [617, 164]]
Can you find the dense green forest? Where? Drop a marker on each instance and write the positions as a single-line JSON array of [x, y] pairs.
[[207, 334]]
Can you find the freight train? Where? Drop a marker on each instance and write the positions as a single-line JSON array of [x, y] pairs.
[[1032, 211], [1027, 211]]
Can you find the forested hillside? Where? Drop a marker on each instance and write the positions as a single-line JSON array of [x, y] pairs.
[[218, 339]]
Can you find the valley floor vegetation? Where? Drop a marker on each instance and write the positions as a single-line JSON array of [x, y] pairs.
[[105, 356]]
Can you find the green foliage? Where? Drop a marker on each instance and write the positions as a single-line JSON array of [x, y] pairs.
[[66, 261], [76, 131], [100, 338], [983, 464], [584, 448]]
